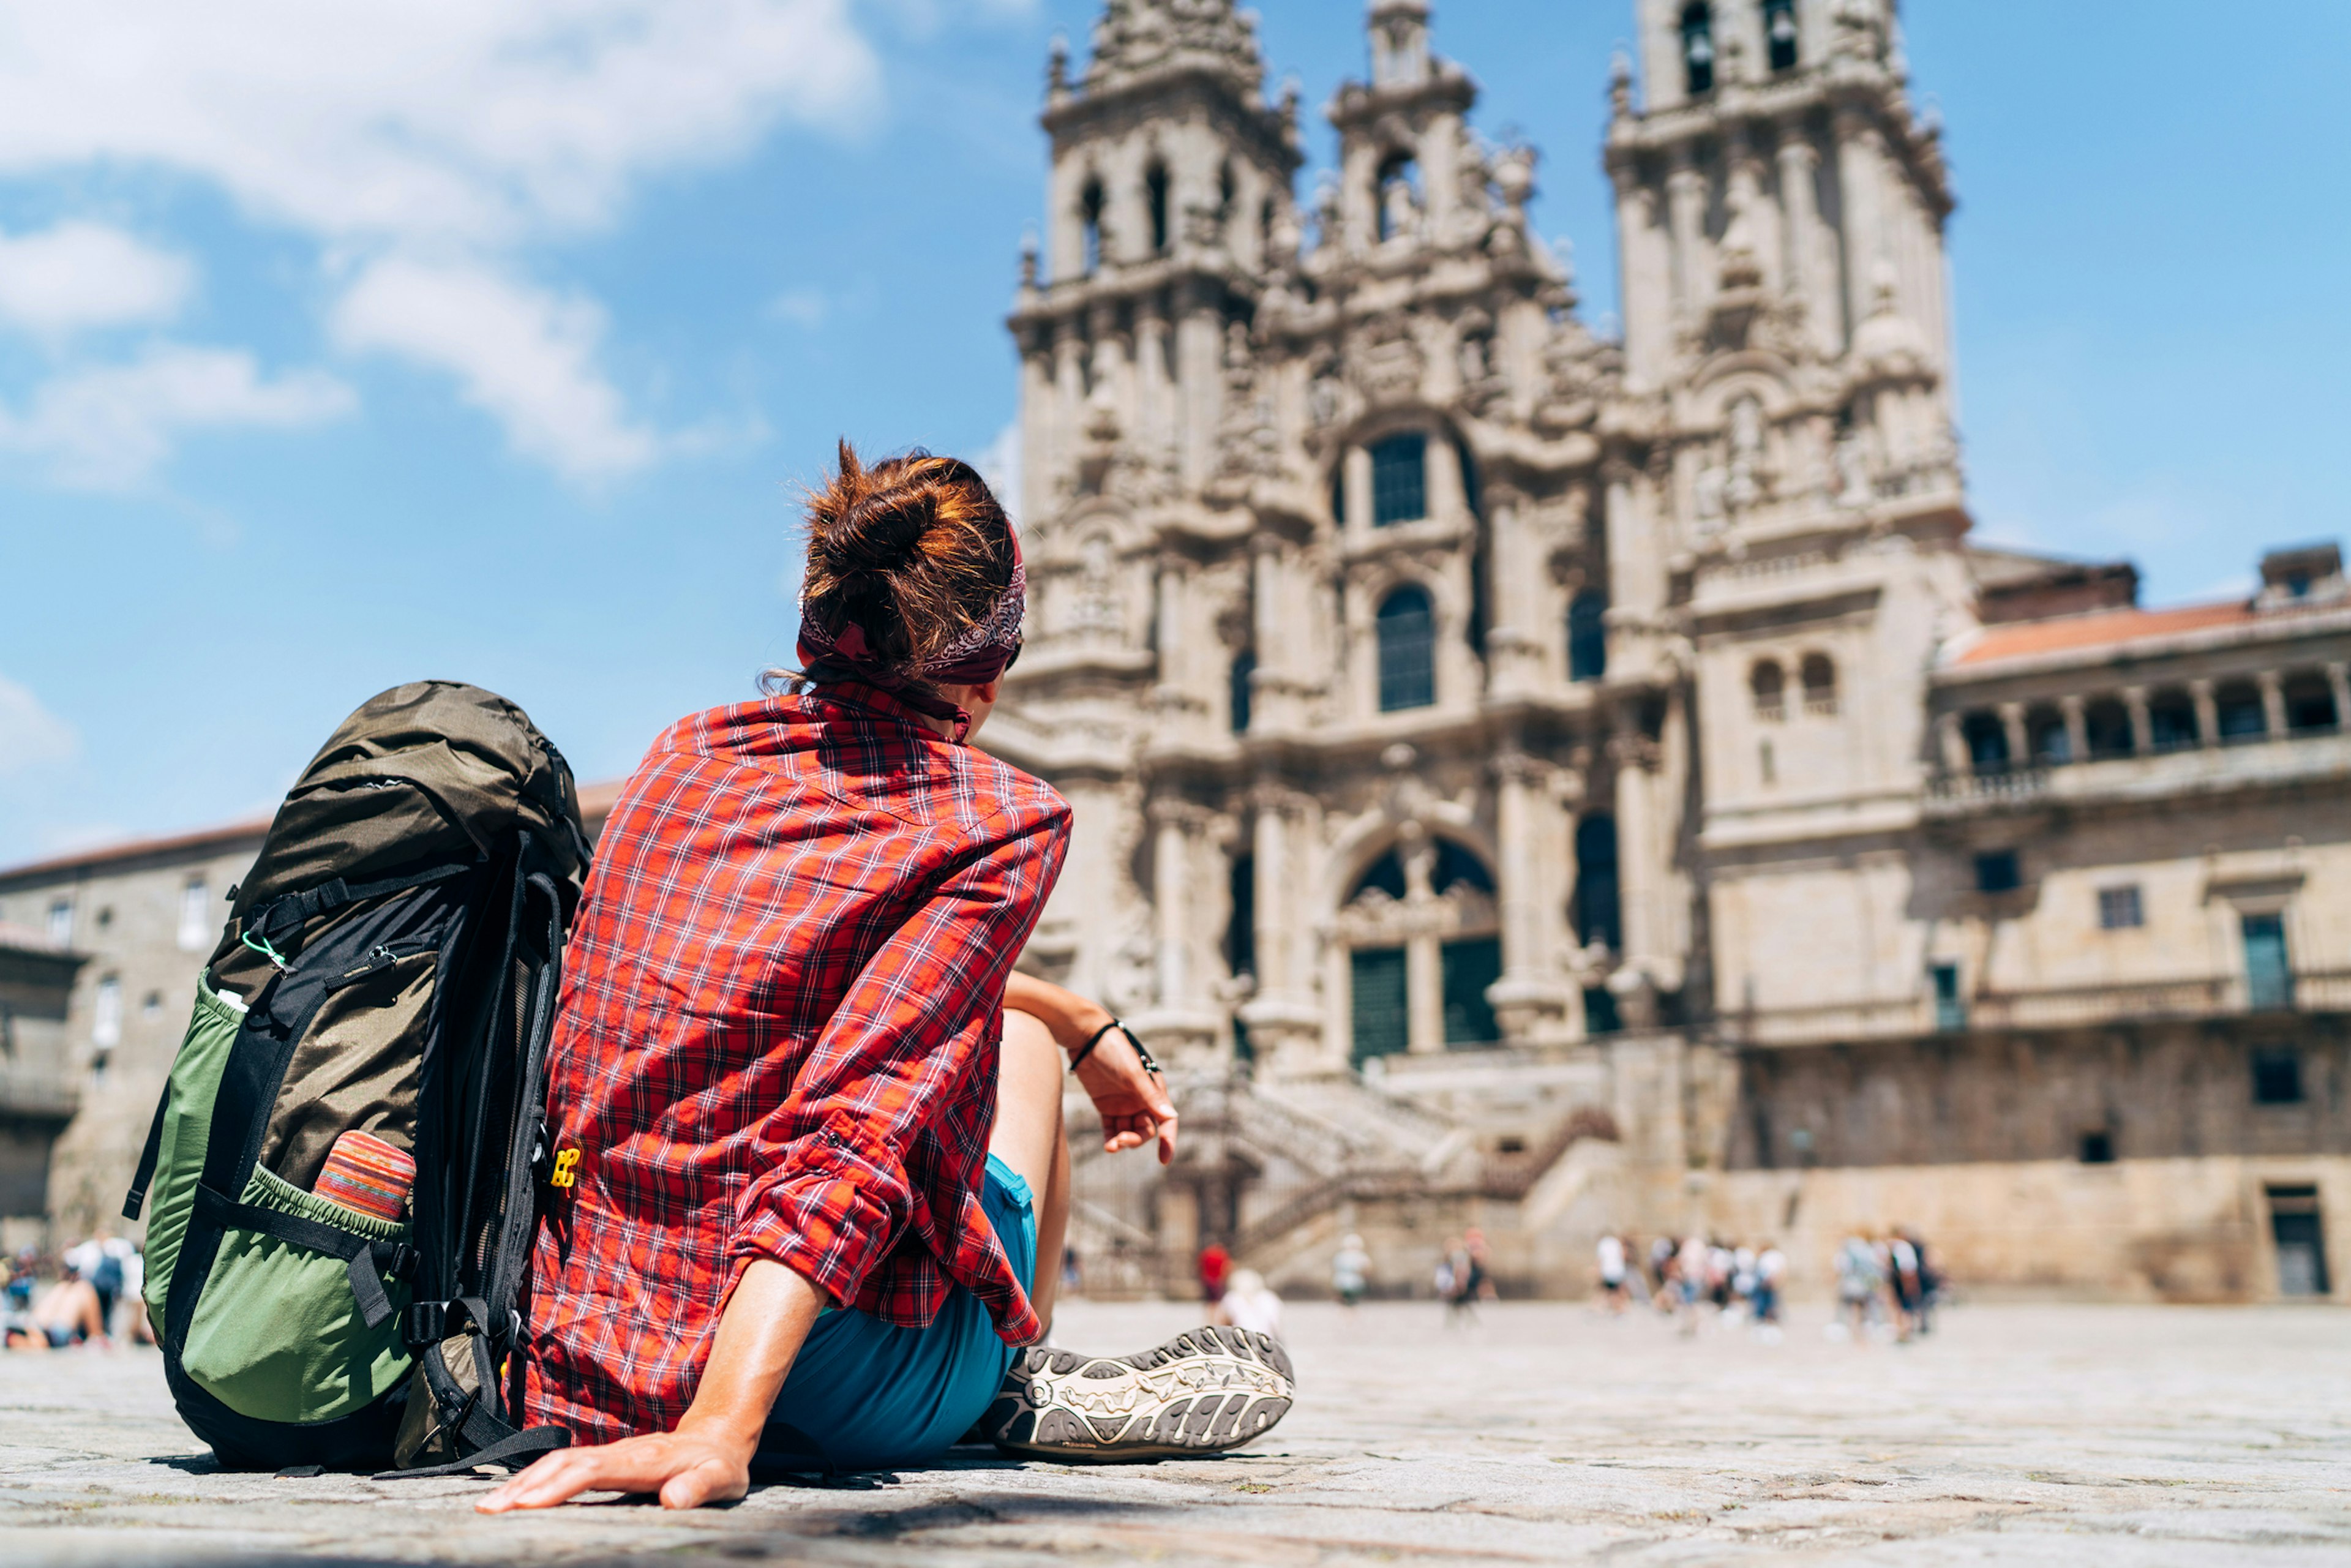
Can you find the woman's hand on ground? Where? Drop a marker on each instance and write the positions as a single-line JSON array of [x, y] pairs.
[[687, 1469], [1133, 1104]]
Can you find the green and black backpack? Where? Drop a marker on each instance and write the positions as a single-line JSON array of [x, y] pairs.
[[388, 976]]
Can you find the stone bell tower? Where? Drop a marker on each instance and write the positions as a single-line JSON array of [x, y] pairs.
[[1797, 502]]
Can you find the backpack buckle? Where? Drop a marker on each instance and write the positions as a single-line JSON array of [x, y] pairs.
[[427, 1323]]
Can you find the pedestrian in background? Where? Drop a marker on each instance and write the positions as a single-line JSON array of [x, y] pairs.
[[1249, 1305], [1351, 1268], [1216, 1268]]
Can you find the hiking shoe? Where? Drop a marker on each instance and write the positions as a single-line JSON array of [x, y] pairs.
[[1207, 1389]]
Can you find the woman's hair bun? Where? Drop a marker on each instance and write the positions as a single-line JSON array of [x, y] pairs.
[[915, 550]]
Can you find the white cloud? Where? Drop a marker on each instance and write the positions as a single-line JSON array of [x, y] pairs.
[[806, 307], [481, 121], [108, 427], [523, 355], [76, 275], [423, 143], [30, 734]]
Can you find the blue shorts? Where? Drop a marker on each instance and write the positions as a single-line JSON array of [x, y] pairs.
[[864, 1395]]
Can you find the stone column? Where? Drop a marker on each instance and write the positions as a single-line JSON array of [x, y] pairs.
[[2272, 703], [2338, 681], [1154, 421], [1531, 999], [2142, 726], [1423, 951], [1636, 757], [1954, 746], [1857, 167], [2012, 725], [2208, 714], [1799, 167], [1686, 215], [2077, 730], [1171, 900], [1199, 353]]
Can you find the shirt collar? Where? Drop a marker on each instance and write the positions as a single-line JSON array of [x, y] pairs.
[[857, 694]]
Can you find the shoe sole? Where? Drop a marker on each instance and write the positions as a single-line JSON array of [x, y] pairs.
[[1205, 1390]]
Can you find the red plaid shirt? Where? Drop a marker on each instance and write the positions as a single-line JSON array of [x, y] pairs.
[[780, 1018]]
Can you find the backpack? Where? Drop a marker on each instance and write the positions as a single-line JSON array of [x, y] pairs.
[[390, 968]]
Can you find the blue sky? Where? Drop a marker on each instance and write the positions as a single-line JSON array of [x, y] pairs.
[[344, 345]]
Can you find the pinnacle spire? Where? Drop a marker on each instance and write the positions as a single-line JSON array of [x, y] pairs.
[[1139, 37]]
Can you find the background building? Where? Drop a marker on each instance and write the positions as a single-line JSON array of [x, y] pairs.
[[1552, 783]]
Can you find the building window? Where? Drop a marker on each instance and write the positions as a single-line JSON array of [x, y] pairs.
[[1240, 926], [2118, 909], [1599, 910], [196, 908], [1155, 197], [61, 923], [1407, 648], [2301, 1240], [1587, 635], [1458, 867], [1987, 740], [1398, 194], [2045, 729], [1779, 34], [1470, 967], [2277, 1076], [1950, 1008], [2309, 704], [2269, 977], [1238, 693], [1996, 870], [2238, 708], [2108, 724], [1385, 873], [2171, 721], [1399, 479], [1089, 226], [152, 1005], [1339, 494], [1820, 685], [2097, 1147], [1600, 1014], [106, 1013], [1769, 684], [1383, 1026], [1697, 48]]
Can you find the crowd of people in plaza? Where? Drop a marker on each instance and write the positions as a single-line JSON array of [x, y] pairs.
[[90, 1295], [1885, 1287]]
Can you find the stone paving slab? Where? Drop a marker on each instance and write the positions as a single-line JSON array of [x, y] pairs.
[[2129, 1437]]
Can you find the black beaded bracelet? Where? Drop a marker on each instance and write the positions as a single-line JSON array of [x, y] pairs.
[[1094, 1040]]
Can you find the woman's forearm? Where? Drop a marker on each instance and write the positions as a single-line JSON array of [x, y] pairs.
[[1071, 1019], [761, 1332]]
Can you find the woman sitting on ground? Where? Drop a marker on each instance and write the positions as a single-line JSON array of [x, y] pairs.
[[817, 1117]]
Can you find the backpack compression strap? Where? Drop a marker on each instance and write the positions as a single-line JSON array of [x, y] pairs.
[[363, 1258], [289, 912]]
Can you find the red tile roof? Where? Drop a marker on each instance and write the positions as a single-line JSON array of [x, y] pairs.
[[2025, 638]]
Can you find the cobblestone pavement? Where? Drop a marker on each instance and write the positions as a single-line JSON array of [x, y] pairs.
[[2115, 1436]]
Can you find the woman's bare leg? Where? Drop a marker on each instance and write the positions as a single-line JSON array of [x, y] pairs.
[[1029, 1137]]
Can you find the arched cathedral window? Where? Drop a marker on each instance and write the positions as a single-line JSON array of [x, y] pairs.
[[1770, 685], [1587, 635], [1408, 649], [1819, 674], [1243, 667], [1399, 479], [1089, 225], [1779, 34], [1697, 47], [1599, 908], [1398, 194], [1154, 195]]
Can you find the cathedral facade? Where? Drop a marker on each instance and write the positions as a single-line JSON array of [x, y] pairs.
[[1525, 778]]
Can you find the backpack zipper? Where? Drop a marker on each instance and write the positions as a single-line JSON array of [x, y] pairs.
[[380, 957]]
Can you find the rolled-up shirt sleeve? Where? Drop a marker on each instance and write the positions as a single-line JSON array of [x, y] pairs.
[[830, 1195]]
